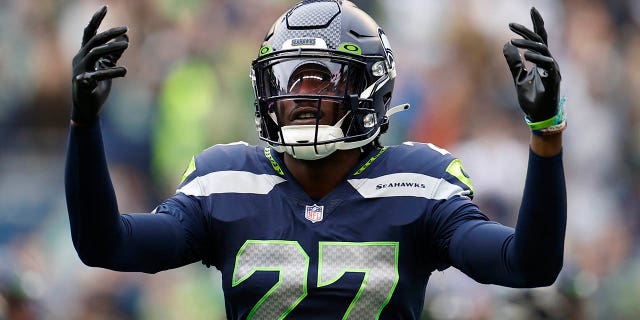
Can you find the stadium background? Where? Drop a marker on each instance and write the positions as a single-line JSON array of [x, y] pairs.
[[188, 88]]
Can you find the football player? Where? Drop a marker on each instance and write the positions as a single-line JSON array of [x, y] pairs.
[[323, 222]]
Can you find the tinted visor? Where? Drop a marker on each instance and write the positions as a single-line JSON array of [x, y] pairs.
[[327, 77]]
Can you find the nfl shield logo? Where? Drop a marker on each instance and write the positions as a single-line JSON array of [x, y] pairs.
[[314, 213]]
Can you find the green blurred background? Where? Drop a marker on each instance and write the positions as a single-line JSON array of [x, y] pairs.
[[188, 88]]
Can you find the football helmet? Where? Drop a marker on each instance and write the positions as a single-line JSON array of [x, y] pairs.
[[323, 53]]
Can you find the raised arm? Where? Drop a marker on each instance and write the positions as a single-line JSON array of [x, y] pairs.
[[102, 237], [532, 254]]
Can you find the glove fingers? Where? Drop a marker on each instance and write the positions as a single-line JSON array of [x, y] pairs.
[[111, 49], [516, 66], [538, 24], [92, 28], [103, 38], [103, 74], [115, 56], [542, 61], [538, 47], [525, 32]]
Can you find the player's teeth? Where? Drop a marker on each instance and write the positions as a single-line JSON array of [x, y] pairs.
[[307, 116]]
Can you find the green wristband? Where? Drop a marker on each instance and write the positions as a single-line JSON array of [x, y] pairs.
[[552, 125]]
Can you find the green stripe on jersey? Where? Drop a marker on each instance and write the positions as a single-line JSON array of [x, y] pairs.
[[455, 169], [274, 163], [370, 161], [190, 169]]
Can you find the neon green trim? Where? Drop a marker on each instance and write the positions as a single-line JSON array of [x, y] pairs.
[[559, 118], [366, 272], [370, 161], [542, 124], [190, 169], [455, 169], [278, 269], [274, 163], [350, 48]]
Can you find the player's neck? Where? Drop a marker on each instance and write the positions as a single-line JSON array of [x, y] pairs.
[[318, 177]]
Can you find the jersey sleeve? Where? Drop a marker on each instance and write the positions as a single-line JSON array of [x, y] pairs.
[[531, 254], [102, 236], [193, 207], [450, 204], [447, 217], [454, 209], [189, 212]]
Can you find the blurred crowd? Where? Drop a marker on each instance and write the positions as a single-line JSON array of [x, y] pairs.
[[188, 88]]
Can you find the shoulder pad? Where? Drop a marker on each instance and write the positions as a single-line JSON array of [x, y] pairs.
[[434, 161], [237, 156]]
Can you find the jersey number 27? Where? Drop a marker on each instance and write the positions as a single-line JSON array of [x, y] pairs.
[[377, 260]]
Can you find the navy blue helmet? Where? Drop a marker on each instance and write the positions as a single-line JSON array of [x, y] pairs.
[[346, 56]]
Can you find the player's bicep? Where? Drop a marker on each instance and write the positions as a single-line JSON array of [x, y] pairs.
[[480, 249], [468, 241], [170, 237], [446, 218], [151, 243], [486, 252], [194, 227]]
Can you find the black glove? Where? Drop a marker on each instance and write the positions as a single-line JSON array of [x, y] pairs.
[[94, 66], [539, 88]]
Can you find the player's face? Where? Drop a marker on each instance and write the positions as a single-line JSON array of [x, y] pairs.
[[312, 81]]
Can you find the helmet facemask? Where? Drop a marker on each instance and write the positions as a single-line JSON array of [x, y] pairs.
[[314, 87], [348, 65]]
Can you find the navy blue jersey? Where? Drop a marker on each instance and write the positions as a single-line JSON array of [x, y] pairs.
[[364, 251]]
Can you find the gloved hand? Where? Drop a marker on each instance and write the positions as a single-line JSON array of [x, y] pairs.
[[94, 66], [538, 88]]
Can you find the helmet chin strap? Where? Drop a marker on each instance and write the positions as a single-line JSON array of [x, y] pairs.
[[306, 134]]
